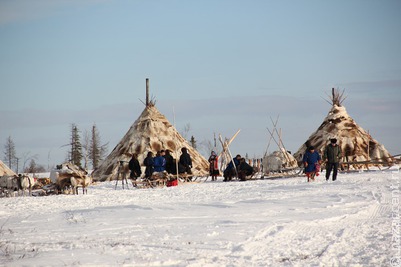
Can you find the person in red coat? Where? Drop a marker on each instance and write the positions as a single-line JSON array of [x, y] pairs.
[[213, 166]]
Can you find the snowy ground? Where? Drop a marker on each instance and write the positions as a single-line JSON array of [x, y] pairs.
[[283, 222]]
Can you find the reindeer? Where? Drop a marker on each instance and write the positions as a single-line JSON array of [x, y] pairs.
[[8, 185], [80, 181], [16, 183], [68, 175], [25, 182]]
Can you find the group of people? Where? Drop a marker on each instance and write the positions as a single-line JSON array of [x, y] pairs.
[[163, 161], [331, 156], [237, 167]]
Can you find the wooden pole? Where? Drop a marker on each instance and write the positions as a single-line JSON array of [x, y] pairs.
[[230, 156], [147, 91], [368, 146], [271, 136], [176, 148], [280, 144]]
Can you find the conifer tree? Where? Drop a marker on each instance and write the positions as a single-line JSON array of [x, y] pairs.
[[193, 142], [9, 153], [85, 147], [76, 146]]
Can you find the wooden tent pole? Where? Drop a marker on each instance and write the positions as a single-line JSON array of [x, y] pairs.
[[147, 92], [274, 139], [224, 152], [283, 147], [176, 153], [225, 145], [271, 136], [368, 147]]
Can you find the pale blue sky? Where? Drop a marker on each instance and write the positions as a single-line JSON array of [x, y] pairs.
[[221, 65]]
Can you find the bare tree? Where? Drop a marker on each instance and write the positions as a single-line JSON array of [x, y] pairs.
[[10, 156], [27, 157], [187, 128], [207, 146], [34, 168], [86, 149]]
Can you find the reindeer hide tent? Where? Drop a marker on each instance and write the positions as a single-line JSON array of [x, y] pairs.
[[150, 132], [5, 170], [357, 145]]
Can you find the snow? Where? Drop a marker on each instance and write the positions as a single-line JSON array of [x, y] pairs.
[[281, 222]]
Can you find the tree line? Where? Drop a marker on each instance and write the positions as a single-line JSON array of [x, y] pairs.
[[86, 153]]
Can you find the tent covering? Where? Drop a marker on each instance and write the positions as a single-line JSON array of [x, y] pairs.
[[5, 170], [357, 145], [150, 132]]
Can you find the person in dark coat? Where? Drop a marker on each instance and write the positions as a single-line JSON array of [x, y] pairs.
[[170, 162], [312, 161], [244, 169], [332, 156], [134, 167], [231, 168], [213, 165], [159, 162], [185, 163], [148, 162]]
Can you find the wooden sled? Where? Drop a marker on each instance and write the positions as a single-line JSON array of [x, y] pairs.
[[148, 183], [158, 179], [284, 173]]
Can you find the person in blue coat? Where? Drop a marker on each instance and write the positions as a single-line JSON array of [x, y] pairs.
[[159, 162], [312, 161]]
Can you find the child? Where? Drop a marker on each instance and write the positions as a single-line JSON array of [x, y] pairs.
[[312, 162]]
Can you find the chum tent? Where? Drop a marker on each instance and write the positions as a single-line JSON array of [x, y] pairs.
[[5, 170], [358, 147], [150, 132]]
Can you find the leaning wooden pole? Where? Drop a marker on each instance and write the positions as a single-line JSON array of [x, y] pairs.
[[176, 149], [271, 137], [280, 144]]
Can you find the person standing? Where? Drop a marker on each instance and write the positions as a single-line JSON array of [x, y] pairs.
[[213, 165], [170, 162], [332, 156], [185, 162], [134, 167], [312, 161], [148, 162]]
